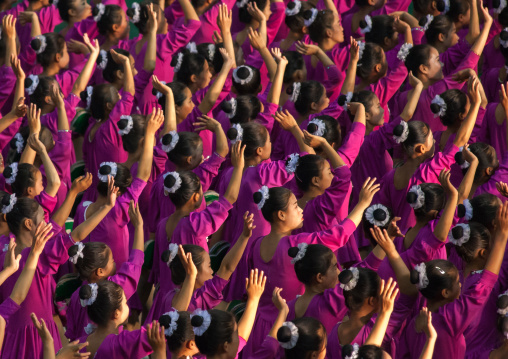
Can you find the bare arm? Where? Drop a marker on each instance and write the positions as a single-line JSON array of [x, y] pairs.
[[151, 43], [466, 128], [155, 120], [183, 298], [221, 142], [331, 154], [86, 73], [224, 21], [445, 222], [79, 185], [281, 305], [52, 178], [349, 82], [288, 123], [474, 23], [215, 89], [9, 31], [237, 160], [169, 106], [412, 98], [276, 89], [188, 11], [480, 42], [467, 182], [388, 293], [369, 189], [255, 285]]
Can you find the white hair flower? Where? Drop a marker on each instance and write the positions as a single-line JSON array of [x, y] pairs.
[[239, 133], [14, 172], [420, 197], [469, 209], [44, 44], [353, 282], [264, 196], [354, 353], [302, 249], [438, 100], [137, 12], [296, 91], [368, 27], [241, 3], [33, 86], [172, 144], [10, 206], [104, 59], [90, 328], [128, 127], [404, 51], [361, 49], [233, 104], [79, 253], [428, 21], [86, 302], [371, 217], [173, 251], [174, 315], [176, 186], [247, 79], [191, 46], [292, 163], [179, 61], [113, 169], [423, 280], [207, 320], [294, 336], [321, 127], [405, 133], [102, 9], [89, 92], [312, 18], [466, 234], [296, 8], [20, 142], [503, 311]]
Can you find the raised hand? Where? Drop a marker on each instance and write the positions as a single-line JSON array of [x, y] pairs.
[[369, 189], [224, 18], [353, 107], [72, 350], [156, 337], [42, 328], [187, 262], [11, 260], [112, 192], [312, 140], [43, 233], [57, 96], [16, 67], [82, 183], [444, 180], [33, 117], [254, 11], [257, 41], [285, 119], [155, 121], [77, 47], [413, 80], [383, 239], [26, 17], [206, 123], [278, 301], [354, 50], [502, 188], [36, 144], [248, 224], [162, 88], [21, 109], [428, 328], [9, 26], [387, 294], [394, 230], [255, 284], [306, 49], [119, 58], [135, 215]]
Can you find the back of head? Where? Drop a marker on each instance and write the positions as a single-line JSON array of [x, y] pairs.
[[139, 14], [365, 97], [327, 127], [132, 130], [309, 166], [103, 95], [94, 256], [123, 177], [441, 24], [26, 177], [181, 186], [364, 352], [484, 209], [47, 46], [468, 239], [254, 136], [109, 66], [487, 160], [246, 80], [178, 272], [191, 64], [310, 260], [304, 94], [376, 215], [106, 16], [278, 200], [294, 15], [101, 301], [417, 133], [180, 327], [220, 330], [425, 198], [39, 88], [323, 21], [372, 56], [242, 109], [382, 28], [457, 8], [418, 55], [181, 146], [301, 337], [455, 105], [434, 276], [244, 15], [24, 208], [295, 65], [359, 284]]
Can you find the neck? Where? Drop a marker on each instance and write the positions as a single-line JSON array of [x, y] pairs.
[[109, 43], [34, 6], [183, 211], [360, 317], [101, 200], [278, 230], [473, 266], [292, 38], [251, 162], [440, 47], [312, 290], [110, 328], [362, 12], [131, 160], [23, 240], [193, 88], [51, 70], [434, 306], [327, 44], [368, 128], [426, 82]]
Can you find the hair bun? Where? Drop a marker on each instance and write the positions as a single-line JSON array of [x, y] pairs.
[[342, 100], [226, 107], [504, 35], [83, 95], [496, 3], [122, 124], [36, 44], [345, 276], [166, 139], [6, 200], [257, 196], [174, 60], [293, 252], [363, 24], [169, 182], [167, 253], [435, 108], [85, 292], [307, 14], [72, 250], [414, 277], [232, 133], [291, 5], [411, 197], [165, 320], [502, 302], [459, 158], [7, 174], [95, 11], [347, 350], [284, 333], [461, 210], [130, 12], [398, 130], [312, 127], [422, 21], [197, 320], [457, 232], [28, 82], [289, 90], [105, 170], [379, 214], [154, 92], [243, 72], [440, 5]]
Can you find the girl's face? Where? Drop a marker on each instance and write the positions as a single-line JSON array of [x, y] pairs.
[[39, 218], [63, 61], [434, 67], [331, 277], [337, 30], [293, 214], [123, 314], [429, 146], [205, 271], [110, 268], [203, 79], [123, 28], [38, 187], [451, 38], [326, 176], [266, 150], [183, 111], [161, 20], [323, 102], [390, 43], [232, 350], [456, 288], [80, 10], [376, 115]]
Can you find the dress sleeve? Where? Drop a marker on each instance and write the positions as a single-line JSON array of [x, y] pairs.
[[47, 203], [8, 85], [274, 22], [383, 138], [429, 171], [8, 308], [265, 118], [268, 349], [386, 87], [210, 294], [333, 238], [128, 274], [208, 170], [178, 37], [55, 254], [352, 143], [60, 154], [130, 344], [209, 220], [121, 208], [274, 174]]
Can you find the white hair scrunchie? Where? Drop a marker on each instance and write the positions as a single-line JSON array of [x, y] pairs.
[[369, 215], [114, 169], [302, 249], [33, 86], [504, 43], [241, 3], [354, 354], [173, 251], [239, 133], [233, 104], [44, 44], [295, 10], [265, 195], [207, 320], [428, 21], [405, 133], [12, 178], [87, 302], [349, 97], [465, 235], [465, 164], [312, 18], [89, 92], [296, 91], [469, 209], [420, 197], [191, 46], [20, 142], [353, 282], [104, 60], [211, 51], [90, 328], [368, 28], [137, 12], [177, 185], [292, 163], [247, 79], [423, 280], [174, 315], [404, 51], [294, 336], [179, 61], [447, 6], [10, 206], [361, 49], [438, 100], [172, 144], [79, 253], [129, 126], [502, 5], [321, 127], [102, 10], [502, 311]]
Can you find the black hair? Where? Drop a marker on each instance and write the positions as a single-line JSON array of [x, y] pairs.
[[504, 50], [485, 207], [372, 56], [366, 287], [422, 6], [178, 272], [382, 28], [95, 256], [25, 178], [502, 320], [254, 136], [189, 186], [112, 16], [248, 108], [457, 8], [435, 199], [101, 96], [253, 86], [45, 136], [189, 145], [181, 334], [295, 23], [310, 92], [440, 25], [309, 166], [456, 102], [295, 63], [192, 64], [311, 337], [278, 201], [332, 133], [109, 298], [317, 259], [379, 214], [55, 44], [208, 50], [364, 352], [418, 55], [441, 275], [487, 157], [479, 238], [418, 133], [43, 89], [109, 72], [25, 208], [123, 179], [365, 97], [243, 13], [220, 331], [503, 16], [324, 21], [144, 18], [130, 141], [63, 7]]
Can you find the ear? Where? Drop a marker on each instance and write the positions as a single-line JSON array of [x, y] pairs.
[[48, 100], [315, 181], [281, 216], [319, 278], [329, 33], [313, 106], [71, 12], [193, 78], [418, 149], [196, 197], [387, 41], [489, 171], [115, 27], [372, 301], [445, 293], [3, 217], [372, 2], [259, 151], [483, 253], [441, 37], [28, 223], [57, 57], [423, 69], [305, 30], [119, 74], [109, 106], [190, 344], [433, 6], [225, 347], [116, 314], [378, 68]]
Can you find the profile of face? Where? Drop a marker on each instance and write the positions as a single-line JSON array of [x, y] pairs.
[[110, 268], [39, 218], [331, 278], [205, 271], [187, 106], [322, 104], [38, 186], [336, 32], [80, 10], [203, 79], [232, 347], [376, 115], [451, 39], [434, 68], [324, 181], [122, 314], [293, 215]]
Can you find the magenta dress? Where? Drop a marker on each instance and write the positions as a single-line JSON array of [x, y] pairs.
[[113, 230], [280, 273], [453, 56], [8, 308], [491, 84], [500, 175], [127, 277], [7, 89], [21, 334], [492, 132], [451, 320], [428, 172]]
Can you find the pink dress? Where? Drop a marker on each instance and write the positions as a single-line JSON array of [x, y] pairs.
[[280, 273], [7, 89], [451, 320], [492, 132], [127, 277], [113, 230], [500, 175]]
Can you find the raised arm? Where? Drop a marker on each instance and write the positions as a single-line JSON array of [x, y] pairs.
[[63, 121], [137, 221], [320, 142], [445, 221], [34, 124], [224, 21], [79, 185], [151, 43], [30, 17], [466, 128], [480, 42], [309, 49], [288, 123], [412, 97], [207, 123], [467, 182], [188, 11], [430, 333], [369, 189], [11, 262], [276, 89], [52, 178], [281, 305], [18, 111], [154, 122], [86, 73], [169, 106], [258, 42], [9, 31], [215, 89], [255, 286], [182, 299], [354, 55], [498, 245], [237, 160], [474, 23]]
